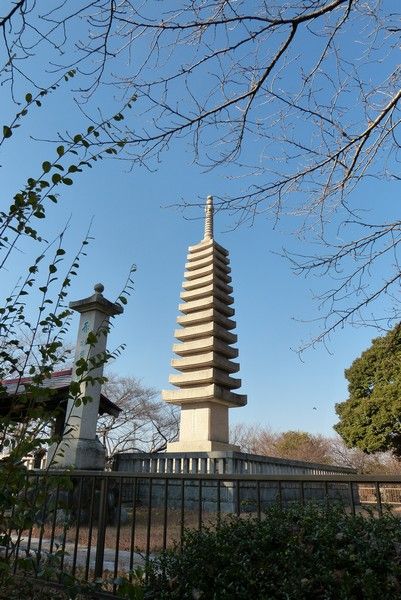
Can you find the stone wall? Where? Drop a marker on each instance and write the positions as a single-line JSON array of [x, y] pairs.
[[231, 496], [225, 496]]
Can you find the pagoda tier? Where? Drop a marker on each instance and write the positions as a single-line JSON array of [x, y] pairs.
[[205, 349]]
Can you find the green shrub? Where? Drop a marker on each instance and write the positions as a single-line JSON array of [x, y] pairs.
[[309, 552]]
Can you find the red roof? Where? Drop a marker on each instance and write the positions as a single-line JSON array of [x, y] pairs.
[[55, 375], [60, 381]]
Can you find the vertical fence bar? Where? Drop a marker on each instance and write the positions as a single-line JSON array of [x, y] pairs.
[[378, 498], [118, 528], [326, 494], [63, 541], [237, 498], [133, 525], [280, 494], [8, 540], [90, 528], [182, 512], [302, 484], [20, 531], [28, 549], [258, 503], [101, 528], [54, 520], [43, 515], [351, 497], [165, 508], [218, 501], [77, 525], [200, 505], [17, 547], [149, 522]]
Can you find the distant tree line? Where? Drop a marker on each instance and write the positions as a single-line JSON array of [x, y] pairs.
[[316, 448]]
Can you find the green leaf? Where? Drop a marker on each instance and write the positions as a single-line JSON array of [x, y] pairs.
[[60, 150], [46, 166], [28, 98], [56, 178], [7, 133], [67, 181], [74, 387], [92, 338]]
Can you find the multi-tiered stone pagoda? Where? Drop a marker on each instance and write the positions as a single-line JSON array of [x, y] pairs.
[[207, 388], [205, 353]]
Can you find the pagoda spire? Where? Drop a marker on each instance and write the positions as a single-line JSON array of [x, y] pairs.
[[209, 211], [205, 349]]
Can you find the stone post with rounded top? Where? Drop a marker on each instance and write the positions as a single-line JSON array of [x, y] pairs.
[[80, 448]]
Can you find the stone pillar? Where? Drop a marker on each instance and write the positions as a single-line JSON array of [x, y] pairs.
[[80, 447]]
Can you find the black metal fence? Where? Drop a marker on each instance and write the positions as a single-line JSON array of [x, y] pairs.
[[102, 525]]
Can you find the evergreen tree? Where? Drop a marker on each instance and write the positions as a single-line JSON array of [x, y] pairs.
[[371, 417]]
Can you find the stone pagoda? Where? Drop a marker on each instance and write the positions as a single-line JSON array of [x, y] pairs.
[[207, 389], [204, 350]]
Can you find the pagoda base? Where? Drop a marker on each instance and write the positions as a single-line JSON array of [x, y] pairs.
[[203, 428], [201, 446]]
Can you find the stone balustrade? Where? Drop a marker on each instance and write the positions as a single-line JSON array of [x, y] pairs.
[[219, 462]]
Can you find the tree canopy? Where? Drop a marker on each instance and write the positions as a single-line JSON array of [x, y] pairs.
[[371, 417]]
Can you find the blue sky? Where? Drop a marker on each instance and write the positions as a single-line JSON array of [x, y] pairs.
[[135, 221], [132, 223]]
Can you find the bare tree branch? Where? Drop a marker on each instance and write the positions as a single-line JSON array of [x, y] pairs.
[[145, 423], [299, 101]]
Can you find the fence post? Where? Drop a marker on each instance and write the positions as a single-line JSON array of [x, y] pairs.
[[101, 528], [378, 498]]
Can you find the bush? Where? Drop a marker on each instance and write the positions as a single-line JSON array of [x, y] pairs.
[[309, 552]]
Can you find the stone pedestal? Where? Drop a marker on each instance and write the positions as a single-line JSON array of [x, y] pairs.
[[80, 453], [203, 428]]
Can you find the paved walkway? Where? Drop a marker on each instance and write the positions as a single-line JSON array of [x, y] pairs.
[[82, 553]]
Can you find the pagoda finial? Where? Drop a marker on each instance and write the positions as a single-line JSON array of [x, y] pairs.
[[209, 210]]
